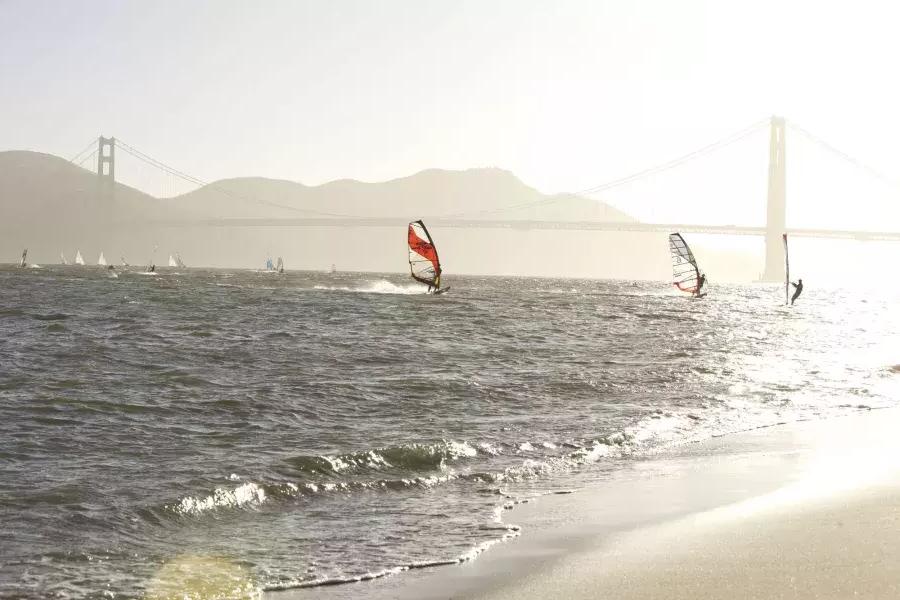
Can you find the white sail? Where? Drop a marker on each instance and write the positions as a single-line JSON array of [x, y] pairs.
[[787, 271], [62, 259], [124, 264], [280, 265], [78, 258], [22, 263], [685, 272], [179, 262], [102, 260]]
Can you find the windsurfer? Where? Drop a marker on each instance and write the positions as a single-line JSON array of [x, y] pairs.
[[797, 291], [700, 282]]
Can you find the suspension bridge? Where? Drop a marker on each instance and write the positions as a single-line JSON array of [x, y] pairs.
[[104, 151]]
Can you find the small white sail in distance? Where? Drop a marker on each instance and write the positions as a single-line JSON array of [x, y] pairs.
[[172, 262], [79, 260], [102, 260], [62, 259], [179, 262], [279, 265]]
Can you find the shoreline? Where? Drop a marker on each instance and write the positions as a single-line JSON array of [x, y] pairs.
[[668, 523]]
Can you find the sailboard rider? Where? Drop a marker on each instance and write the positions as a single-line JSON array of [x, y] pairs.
[[701, 281], [797, 291]]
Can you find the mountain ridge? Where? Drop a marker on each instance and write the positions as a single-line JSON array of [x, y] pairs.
[[52, 206]]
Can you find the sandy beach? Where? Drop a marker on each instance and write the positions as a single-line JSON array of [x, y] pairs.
[[801, 510]]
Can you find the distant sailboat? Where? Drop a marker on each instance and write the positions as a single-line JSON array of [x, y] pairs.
[[102, 260], [22, 263], [686, 274], [280, 265], [424, 264], [333, 269], [179, 262], [124, 264], [269, 265], [78, 258], [172, 262], [62, 259]]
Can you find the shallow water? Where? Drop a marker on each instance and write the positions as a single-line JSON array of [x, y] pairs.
[[279, 431]]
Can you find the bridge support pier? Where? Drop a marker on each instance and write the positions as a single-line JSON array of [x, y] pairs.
[[775, 207]]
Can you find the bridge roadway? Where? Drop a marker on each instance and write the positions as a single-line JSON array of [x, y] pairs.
[[436, 223]]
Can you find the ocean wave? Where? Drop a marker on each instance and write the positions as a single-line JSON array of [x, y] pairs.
[[409, 457], [247, 494]]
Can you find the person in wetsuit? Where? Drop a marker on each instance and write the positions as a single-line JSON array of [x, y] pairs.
[[700, 283], [798, 291]]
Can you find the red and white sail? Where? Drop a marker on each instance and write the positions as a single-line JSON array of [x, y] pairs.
[[424, 264]]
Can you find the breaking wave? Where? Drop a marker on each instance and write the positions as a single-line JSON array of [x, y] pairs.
[[378, 287]]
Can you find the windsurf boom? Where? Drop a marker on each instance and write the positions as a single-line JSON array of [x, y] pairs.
[[685, 272], [424, 264]]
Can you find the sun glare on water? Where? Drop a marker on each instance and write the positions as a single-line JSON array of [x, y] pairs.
[[191, 577]]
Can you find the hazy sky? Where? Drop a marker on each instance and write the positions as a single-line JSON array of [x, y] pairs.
[[567, 94]]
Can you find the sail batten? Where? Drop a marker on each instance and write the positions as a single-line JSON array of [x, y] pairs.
[[424, 264], [685, 272]]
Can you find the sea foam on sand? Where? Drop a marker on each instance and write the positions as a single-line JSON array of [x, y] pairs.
[[804, 510]]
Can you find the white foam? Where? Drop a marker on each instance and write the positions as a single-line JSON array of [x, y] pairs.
[[378, 287], [243, 495]]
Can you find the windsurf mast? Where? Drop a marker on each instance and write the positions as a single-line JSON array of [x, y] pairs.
[[424, 264], [787, 271], [685, 272]]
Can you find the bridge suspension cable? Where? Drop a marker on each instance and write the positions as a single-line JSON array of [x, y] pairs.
[[843, 155], [91, 144], [146, 158], [671, 164], [649, 172], [86, 158]]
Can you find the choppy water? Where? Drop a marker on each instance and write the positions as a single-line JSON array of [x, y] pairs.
[[289, 430]]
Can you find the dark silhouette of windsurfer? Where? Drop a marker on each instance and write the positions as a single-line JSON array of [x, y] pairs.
[[798, 291], [700, 282]]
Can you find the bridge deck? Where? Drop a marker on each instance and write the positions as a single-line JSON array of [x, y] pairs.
[[437, 223]]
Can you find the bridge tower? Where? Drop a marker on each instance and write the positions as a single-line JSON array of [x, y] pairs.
[[775, 206], [106, 167]]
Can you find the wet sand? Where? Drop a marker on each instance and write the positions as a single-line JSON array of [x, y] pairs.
[[803, 510]]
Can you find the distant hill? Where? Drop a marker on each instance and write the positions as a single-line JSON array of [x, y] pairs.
[[51, 206], [473, 193]]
